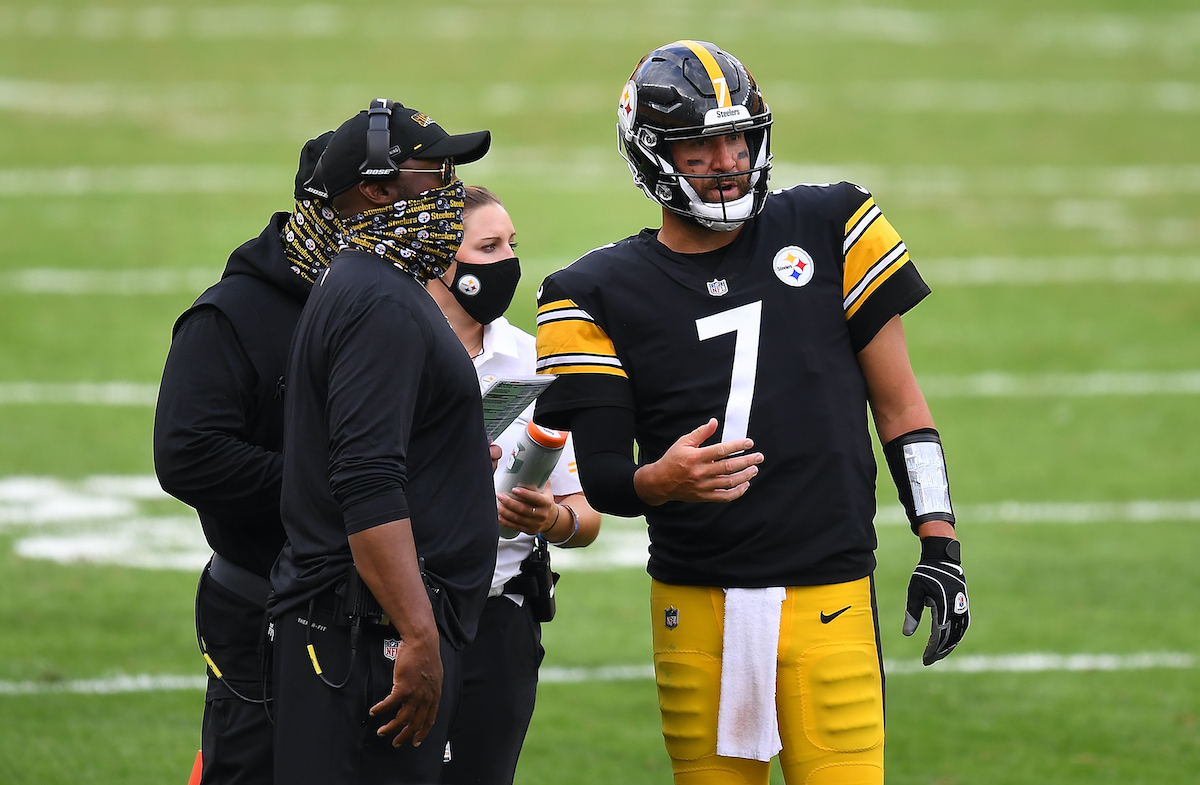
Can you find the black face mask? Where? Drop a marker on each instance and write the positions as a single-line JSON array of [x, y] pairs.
[[485, 290]]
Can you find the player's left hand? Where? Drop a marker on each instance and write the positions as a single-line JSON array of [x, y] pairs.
[[939, 583], [528, 510]]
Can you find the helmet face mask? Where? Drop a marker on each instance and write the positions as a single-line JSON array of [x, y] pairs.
[[685, 91]]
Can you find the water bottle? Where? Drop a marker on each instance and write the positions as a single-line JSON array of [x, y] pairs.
[[529, 463]]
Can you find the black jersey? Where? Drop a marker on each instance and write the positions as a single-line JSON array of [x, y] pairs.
[[765, 339]]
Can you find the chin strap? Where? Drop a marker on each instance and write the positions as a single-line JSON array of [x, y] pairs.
[[718, 226]]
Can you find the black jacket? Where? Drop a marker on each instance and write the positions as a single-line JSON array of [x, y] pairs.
[[218, 427]]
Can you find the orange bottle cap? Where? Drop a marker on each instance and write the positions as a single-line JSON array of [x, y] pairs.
[[546, 437]]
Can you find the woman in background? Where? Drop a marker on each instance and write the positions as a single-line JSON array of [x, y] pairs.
[[500, 667]]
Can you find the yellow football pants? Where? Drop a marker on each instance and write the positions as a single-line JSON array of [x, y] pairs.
[[829, 689]]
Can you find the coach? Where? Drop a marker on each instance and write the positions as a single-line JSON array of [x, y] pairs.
[[387, 488]]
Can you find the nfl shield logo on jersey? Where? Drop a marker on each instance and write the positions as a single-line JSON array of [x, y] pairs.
[[717, 288], [793, 266], [389, 647], [672, 617]]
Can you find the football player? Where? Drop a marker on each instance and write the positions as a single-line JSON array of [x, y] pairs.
[[742, 345]]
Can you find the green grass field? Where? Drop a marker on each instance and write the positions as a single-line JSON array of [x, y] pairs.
[[1039, 158]]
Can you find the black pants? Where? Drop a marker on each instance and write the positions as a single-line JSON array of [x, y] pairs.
[[325, 736], [236, 734], [500, 671]]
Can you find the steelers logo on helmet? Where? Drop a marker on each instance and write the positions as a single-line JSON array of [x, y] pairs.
[[793, 265], [468, 285], [627, 108], [690, 90]]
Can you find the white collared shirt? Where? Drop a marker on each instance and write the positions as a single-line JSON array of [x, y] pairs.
[[510, 351]]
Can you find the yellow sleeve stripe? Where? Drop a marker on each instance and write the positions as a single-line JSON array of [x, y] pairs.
[[566, 370], [855, 232], [876, 240], [863, 209], [573, 336], [889, 264], [573, 345], [556, 305]]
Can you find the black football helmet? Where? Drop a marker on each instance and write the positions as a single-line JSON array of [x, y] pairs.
[[689, 90]]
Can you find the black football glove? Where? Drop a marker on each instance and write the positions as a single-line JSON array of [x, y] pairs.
[[939, 582]]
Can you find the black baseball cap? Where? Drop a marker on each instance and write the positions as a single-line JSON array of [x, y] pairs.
[[310, 154], [412, 135]]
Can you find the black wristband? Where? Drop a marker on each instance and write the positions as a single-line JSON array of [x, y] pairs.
[[941, 549]]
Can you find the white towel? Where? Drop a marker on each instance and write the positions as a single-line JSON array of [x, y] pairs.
[[747, 723]]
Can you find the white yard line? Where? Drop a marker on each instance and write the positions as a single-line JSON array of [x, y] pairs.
[[80, 393], [965, 271], [46, 280], [1052, 270], [101, 520], [589, 167], [1052, 385], [156, 180], [238, 103], [988, 97], [106, 686], [1036, 662], [1005, 663], [1061, 512], [982, 385], [917, 181], [1106, 34]]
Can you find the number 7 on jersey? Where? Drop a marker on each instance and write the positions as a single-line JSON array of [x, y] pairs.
[[744, 321]]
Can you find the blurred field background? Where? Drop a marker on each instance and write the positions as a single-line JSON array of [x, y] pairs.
[[1039, 158]]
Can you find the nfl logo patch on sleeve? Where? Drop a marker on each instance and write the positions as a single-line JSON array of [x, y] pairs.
[[672, 618]]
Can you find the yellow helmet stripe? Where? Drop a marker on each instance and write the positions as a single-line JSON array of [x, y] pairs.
[[720, 87]]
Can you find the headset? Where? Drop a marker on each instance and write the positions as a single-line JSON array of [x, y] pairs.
[[379, 161]]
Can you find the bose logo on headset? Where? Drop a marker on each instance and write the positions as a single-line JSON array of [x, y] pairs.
[[379, 161]]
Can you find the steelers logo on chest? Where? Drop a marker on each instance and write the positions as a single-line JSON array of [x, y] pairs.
[[793, 265]]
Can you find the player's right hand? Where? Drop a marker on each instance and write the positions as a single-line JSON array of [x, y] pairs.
[[688, 472], [416, 691]]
